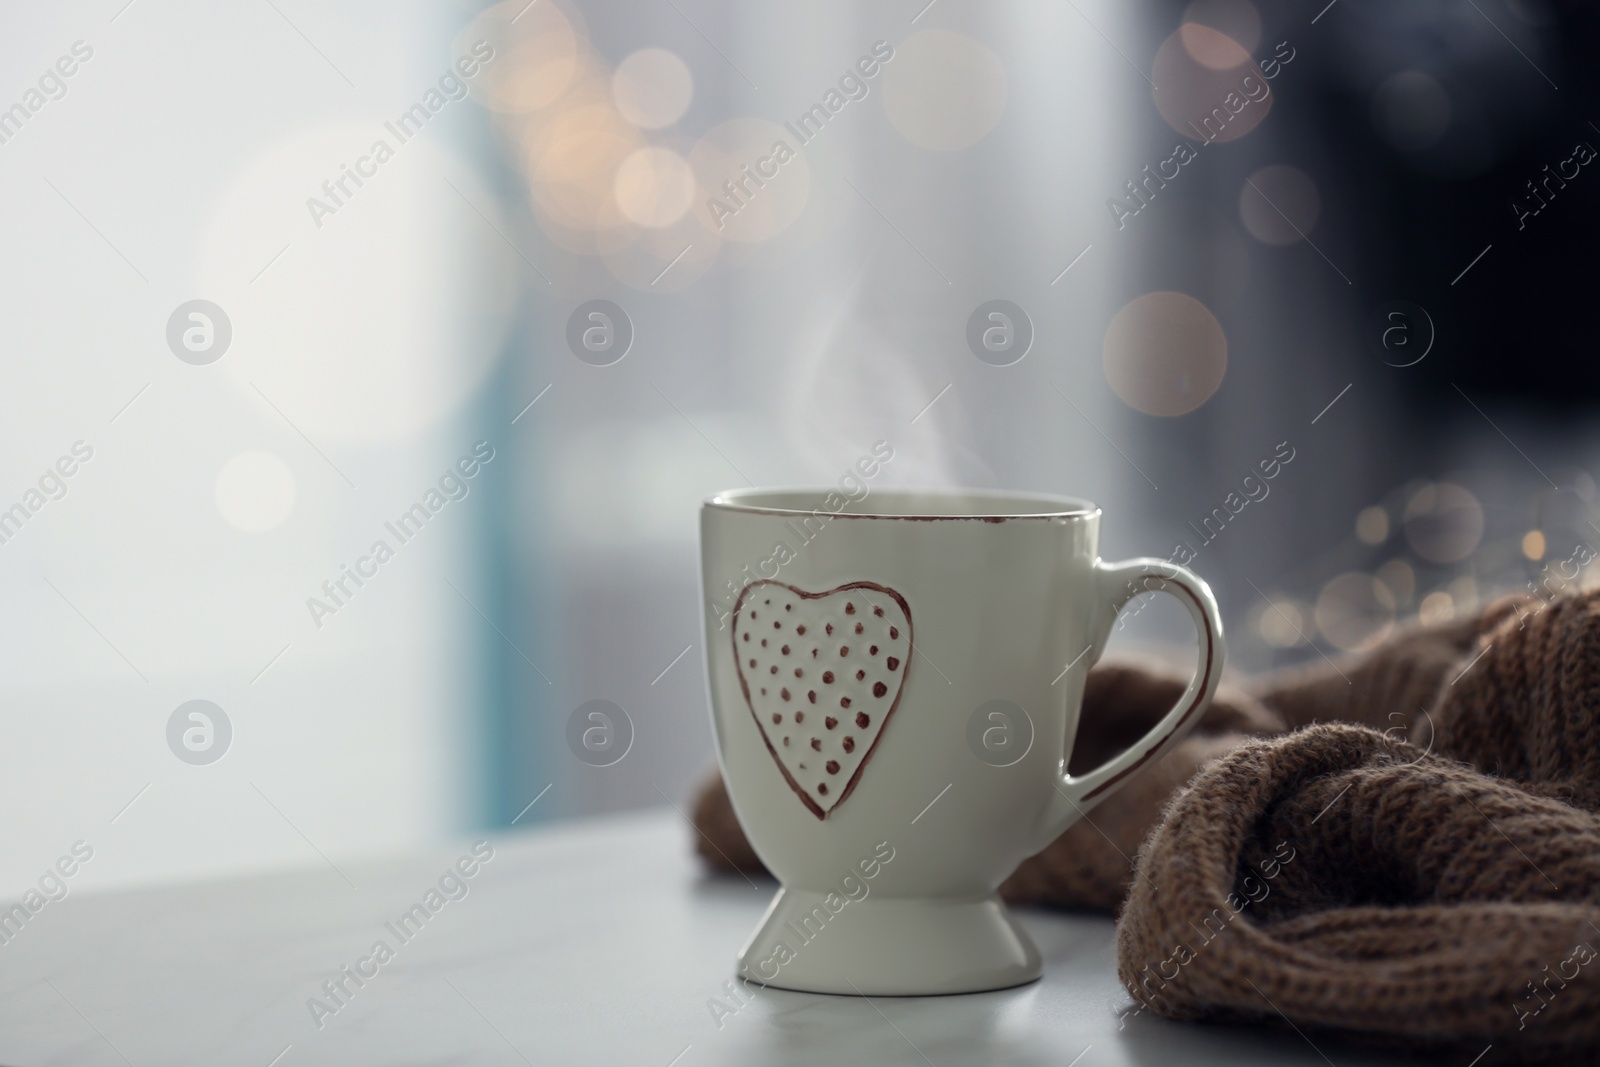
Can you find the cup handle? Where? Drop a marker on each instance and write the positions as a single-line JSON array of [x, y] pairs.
[[1116, 584]]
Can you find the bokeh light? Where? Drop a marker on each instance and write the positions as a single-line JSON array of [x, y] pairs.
[[1238, 19], [1411, 110], [652, 88], [538, 50], [1372, 525], [654, 187], [392, 328], [255, 491], [1437, 609], [1212, 48], [769, 185], [1464, 591], [1165, 353], [1279, 204], [1355, 612], [573, 162], [943, 91], [1443, 523], [1282, 622], [1533, 545], [1221, 98]]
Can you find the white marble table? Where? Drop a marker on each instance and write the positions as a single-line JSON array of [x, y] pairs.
[[599, 942]]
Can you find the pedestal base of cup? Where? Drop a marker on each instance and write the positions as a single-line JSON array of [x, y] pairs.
[[882, 946]]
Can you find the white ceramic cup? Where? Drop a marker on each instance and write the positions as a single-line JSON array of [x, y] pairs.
[[895, 690]]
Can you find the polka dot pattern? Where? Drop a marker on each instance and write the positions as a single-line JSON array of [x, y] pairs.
[[865, 685]]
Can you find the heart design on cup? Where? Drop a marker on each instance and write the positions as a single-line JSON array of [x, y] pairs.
[[822, 673]]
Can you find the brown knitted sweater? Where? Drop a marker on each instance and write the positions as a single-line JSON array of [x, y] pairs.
[[1405, 846]]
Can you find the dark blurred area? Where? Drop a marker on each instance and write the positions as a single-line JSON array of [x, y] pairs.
[[1430, 353], [1458, 135]]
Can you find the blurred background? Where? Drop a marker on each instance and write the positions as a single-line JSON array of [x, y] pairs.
[[366, 363]]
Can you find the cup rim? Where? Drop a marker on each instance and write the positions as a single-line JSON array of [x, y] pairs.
[[1004, 505]]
